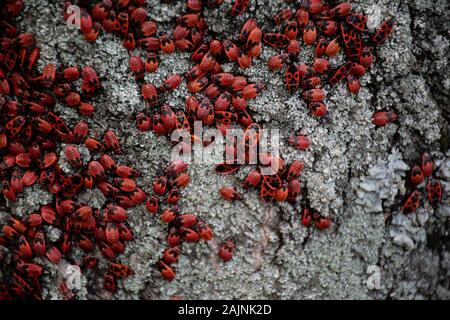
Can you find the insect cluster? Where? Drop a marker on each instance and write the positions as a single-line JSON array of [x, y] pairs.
[[330, 27], [282, 185], [30, 134], [217, 107], [224, 95], [220, 98], [186, 227], [312, 217], [420, 175], [217, 98]]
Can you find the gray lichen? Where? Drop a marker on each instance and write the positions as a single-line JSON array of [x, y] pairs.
[[383, 183]]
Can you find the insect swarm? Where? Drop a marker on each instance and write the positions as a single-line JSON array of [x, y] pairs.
[[181, 227], [219, 93], [422, 173], [31, 131]]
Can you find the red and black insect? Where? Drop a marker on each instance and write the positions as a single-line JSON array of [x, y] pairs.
[[230, 194], [239, 7], [383, 32], [382, 118], [227, 250], [292, 77], [276, 40], [434, 191], [412, 202]]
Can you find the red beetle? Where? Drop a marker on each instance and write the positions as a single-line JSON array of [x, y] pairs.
[[426, 164], [70, 74], [294, 188], [223, 101], [207, 62], [189, 235], [94, 145], [112, 233], [276, 40], [204, 230], [159, 185], [231, 50], [383, 32], [20, 227], [73, 156], [321, 65], [31, 270], [309, 33], [111, 141], [150, 94], [151, 63], [251, 91], [167, 272], [230, 193], [295, 169], [300, 142], [109, 282], [96, 170], [169, 214], [39, 246], [416, 175], [366, 57], [174, 196], [83, 213], [382, 118], [137, 67], [322, 223], [353, 84], [283, 15], [116, 213], [292, 77], [226, 250], [91, 77], [434, 191], [176, 167], [277, 61], [49, 215], [171, 255], [307, 217], [48, 75], [412, 202], [167, 44], [171, 83], [152, 205], [23, 40], [197, 85], [125, 184], [107, 162], [119, 270], [253, 179], [148, 28], [127, 172], [254, 38], [186, 220], [239, 7], [173, 238], [80, 131], [144, 123], [24, 248], [53, 255], [181, 181]]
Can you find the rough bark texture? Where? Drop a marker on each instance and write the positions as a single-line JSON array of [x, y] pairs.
[[354, 172]]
